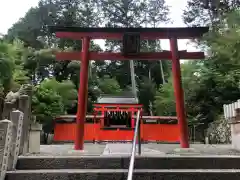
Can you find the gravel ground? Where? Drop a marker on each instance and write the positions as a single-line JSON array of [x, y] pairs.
[[147, 149]]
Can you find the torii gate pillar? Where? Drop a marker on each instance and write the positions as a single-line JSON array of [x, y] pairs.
[[82, 95], [179, 95]]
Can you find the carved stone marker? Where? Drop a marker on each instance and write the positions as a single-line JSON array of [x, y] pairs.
[[24, 105], [34, 138], [5, 144], [8, 107], [17, 120]]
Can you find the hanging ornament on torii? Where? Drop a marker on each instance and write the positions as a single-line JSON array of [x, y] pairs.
[[131, 44]]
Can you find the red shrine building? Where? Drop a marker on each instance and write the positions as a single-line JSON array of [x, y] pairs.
[[114, 120]]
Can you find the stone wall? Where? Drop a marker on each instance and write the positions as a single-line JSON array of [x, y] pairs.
[[17, 121], [22, 103], [235, 129], [14, 131]]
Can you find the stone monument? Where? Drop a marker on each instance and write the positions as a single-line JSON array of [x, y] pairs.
[[20, 100], [17, 121], [5, 145]]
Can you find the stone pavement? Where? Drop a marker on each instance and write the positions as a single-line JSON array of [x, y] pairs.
[[125, 149]]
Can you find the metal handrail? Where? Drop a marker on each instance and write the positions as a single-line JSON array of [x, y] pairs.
[[136, 134]]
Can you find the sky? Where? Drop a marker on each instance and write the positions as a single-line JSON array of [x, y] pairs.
[[12, 10]]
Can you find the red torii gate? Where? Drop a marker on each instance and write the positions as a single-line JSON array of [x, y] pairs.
[[86, 34]]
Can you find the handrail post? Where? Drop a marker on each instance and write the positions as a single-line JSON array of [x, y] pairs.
[[139, 137]]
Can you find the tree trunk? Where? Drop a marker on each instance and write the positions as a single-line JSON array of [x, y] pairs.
[[133, 79], [1, 107], [45, 138], [162, 73]]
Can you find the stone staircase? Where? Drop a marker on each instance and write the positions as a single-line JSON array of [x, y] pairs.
[[116, 168]]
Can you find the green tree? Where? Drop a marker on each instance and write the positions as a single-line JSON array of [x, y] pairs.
[[7, 65], [65, 89], [146, 94], [210, 83], [40, 61], [134, 14], [164, 103], [12, 74], [202, 12], [219, 75], [50, 99], [109, 86]]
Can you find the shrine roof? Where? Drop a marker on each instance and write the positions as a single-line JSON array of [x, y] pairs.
[[117, 100], [180, 32]]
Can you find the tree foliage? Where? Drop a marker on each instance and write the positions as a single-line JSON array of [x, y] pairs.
[[210, 83], [52, 98], [27, 56], [208, 12], [109, 85]]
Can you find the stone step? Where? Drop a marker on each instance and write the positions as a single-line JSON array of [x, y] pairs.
[[105, 174], [122, 162]]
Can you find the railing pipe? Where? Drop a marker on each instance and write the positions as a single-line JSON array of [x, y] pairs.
[[132, 158]]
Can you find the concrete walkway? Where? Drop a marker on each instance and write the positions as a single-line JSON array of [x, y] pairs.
[[125, 149]]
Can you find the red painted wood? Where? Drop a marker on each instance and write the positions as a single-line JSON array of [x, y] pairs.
[[67, 132], [101, 116], [149, 132], [179, 95], [166, 55], [187, 34], [116, 110], [160, 132], [115, 135], [82, 95]]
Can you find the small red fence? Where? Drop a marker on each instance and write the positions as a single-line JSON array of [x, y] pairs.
[[153, 128]]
